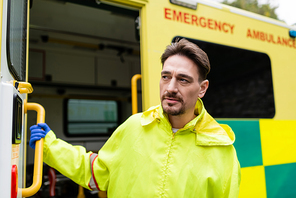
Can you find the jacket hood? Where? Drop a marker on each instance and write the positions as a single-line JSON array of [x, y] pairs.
[[208, 131]]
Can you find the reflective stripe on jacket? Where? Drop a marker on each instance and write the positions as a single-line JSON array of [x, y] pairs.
[[144, 158]]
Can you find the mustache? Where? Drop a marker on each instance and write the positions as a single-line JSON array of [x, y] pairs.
[[172, 95]]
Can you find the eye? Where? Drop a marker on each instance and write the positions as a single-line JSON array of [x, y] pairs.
[[183, 80], [164, 77]]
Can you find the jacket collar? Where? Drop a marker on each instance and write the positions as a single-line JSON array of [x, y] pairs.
[[208, 131]]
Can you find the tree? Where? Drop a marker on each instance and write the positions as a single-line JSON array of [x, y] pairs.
[[253, 6]]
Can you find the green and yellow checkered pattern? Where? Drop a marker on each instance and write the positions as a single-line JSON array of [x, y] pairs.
[[266, 150]]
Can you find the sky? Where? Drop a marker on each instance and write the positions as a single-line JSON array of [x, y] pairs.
[[286, 10]]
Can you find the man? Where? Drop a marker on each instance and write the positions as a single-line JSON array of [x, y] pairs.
[[175, 149]]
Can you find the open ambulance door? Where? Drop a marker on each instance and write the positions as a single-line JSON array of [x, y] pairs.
[[13, 106]]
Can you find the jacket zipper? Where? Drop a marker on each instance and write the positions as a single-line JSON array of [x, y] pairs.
[[162, 194]]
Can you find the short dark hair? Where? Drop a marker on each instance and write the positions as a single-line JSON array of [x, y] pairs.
[[185, 48]]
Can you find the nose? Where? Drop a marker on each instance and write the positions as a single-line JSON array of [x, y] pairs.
[[172, 86]]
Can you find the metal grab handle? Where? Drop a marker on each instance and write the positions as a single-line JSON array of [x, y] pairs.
[[135, 78], [38, 159]]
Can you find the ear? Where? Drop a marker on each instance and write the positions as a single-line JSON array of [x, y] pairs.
[[203, 88]]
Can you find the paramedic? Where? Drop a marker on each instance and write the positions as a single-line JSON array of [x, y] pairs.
[[175, 149]]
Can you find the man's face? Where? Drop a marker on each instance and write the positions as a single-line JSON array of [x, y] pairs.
[[179, 86]]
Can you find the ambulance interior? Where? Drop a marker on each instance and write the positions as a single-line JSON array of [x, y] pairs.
[[82, 56]]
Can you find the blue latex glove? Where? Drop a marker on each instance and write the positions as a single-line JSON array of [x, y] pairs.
[[37, 132]]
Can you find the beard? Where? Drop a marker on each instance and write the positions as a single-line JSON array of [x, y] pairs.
[[171, 109]]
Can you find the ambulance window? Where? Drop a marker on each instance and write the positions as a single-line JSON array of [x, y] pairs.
[[16, 38], [90, 117], [240, 82]]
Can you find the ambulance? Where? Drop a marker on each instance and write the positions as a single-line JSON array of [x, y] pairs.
[[84, 66]]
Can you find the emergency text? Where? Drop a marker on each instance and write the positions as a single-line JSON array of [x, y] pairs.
[[200, 21]]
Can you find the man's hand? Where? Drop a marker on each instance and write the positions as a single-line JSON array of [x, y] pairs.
[[37, 132]]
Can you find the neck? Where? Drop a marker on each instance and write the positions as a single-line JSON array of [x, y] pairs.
[[180, 121]]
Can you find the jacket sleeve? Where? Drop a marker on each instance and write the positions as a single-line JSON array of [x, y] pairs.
[[108, 158], [71, 161], [233, 182]]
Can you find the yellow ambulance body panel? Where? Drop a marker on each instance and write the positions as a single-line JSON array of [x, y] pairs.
[[270, 171]]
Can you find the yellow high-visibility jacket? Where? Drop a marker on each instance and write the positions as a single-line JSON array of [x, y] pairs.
[[144, 158]]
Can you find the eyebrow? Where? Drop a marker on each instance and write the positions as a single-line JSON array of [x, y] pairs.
[[178, 75], [185, 76], [165, 72]]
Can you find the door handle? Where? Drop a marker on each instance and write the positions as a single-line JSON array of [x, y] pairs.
[[38, 159], [23, 87]]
